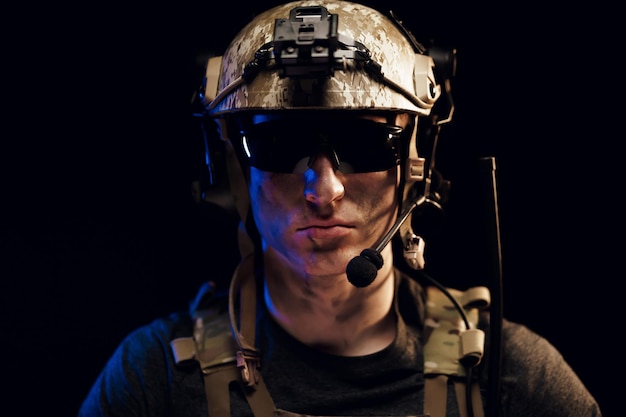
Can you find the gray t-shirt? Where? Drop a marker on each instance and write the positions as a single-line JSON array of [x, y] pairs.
[[142, 378]]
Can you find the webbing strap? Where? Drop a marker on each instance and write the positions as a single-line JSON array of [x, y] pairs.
[[248, 358], [261, 401], [243, 284], [247, 307], [436, 394], [461, 398], [217, 378], [216, 387]]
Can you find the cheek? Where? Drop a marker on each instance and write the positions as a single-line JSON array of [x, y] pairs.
[[262, 193], [377, 192], [268, 197]]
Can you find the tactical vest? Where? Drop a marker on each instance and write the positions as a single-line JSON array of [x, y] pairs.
[[226, 352]]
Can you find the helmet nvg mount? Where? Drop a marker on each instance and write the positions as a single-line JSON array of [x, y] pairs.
[[321, 55]]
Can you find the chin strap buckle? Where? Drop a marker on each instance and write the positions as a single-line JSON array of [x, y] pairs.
[[414, 251]]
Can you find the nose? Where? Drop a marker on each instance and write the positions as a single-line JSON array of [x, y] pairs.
[[322, 185]]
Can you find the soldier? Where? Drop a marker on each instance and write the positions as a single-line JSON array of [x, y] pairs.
[[318, 106]]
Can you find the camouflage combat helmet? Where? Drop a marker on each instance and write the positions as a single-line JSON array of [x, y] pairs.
[[326, 54]]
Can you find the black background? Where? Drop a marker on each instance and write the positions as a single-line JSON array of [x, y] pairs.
[[101, 234]]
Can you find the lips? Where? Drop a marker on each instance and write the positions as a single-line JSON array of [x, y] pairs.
[[326, 232]]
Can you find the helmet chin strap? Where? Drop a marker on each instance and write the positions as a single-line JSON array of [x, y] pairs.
[[412, 245], [239, 189], [429, 200]]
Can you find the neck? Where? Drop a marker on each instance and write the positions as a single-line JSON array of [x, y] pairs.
[[331, 314]]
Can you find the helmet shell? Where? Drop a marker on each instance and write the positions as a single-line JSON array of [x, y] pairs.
[[348, 88]]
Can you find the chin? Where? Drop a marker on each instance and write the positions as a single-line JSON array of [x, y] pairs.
[[327, 264]]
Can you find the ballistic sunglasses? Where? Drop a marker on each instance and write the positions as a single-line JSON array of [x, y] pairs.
[[354, 145]]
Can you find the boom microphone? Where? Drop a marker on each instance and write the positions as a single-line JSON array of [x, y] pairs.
[[362, 269]]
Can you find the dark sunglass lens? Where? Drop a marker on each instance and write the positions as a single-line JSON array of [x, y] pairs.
[[368, 146], [274, 146]]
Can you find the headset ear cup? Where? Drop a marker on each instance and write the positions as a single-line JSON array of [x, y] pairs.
[[201, 172], [425, 139], [210, 182], [439, 188], [427, 220]]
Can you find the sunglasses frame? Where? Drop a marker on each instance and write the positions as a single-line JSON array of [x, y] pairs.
[[327, 134]]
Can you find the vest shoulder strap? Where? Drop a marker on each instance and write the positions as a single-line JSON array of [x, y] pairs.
[[447, 343], [450, 346], [212, 346]]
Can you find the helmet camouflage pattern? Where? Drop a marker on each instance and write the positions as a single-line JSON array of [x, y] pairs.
[[350, 57]]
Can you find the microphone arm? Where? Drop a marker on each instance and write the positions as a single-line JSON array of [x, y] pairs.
[[403, 217], [362, 269]]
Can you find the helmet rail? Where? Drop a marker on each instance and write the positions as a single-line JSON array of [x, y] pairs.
[[266, 58]]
